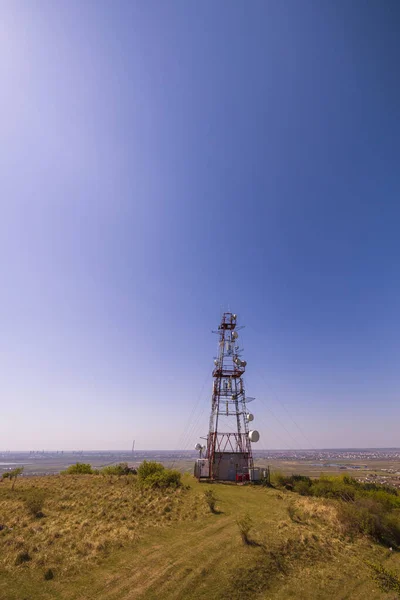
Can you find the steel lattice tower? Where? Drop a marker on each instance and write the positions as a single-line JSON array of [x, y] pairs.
[[229, 454]]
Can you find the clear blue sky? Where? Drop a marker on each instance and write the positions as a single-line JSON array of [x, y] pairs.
[[160, 160]]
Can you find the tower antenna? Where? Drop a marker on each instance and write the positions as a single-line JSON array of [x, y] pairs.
[[229, 455]]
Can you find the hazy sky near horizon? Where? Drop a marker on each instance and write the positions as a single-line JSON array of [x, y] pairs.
[[161, 160]]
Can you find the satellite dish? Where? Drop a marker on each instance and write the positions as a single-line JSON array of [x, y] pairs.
[[198, 447], [254, 436], [250, 417]]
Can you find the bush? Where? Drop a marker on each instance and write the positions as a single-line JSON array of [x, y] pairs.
[[164, 479], [387, 580], [290, 482], [277, 478], [211, 500], [22, 557], [49, 575], [363, 508], [294, 514], [79, 469], [34, 502], [155, 475], [120, 469], [369, 517], [302, 487], [333, 487], [149, 467], [245, 524]]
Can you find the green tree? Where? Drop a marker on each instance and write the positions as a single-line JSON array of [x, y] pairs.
[[14, 474]]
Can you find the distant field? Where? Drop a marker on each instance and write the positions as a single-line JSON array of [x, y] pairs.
[[354, 467], [308, 462], [105, 537], [40, 463]]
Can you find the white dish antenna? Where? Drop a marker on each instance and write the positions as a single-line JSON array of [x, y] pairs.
[[254, 436]]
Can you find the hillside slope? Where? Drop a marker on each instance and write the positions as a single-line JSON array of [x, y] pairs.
[[106, 538]]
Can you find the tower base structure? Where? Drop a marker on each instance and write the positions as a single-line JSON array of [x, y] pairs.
[[228, 466], [231, 466]]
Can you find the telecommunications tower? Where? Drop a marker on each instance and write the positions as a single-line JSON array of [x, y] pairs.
[[228, 454]]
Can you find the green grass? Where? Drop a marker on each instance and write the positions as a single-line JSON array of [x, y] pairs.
[[113, 539]]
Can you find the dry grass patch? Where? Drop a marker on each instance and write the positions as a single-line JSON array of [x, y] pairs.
[[83, 519], [317, 509]]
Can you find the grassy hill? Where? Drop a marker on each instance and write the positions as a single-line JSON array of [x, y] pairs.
[[108, 537]]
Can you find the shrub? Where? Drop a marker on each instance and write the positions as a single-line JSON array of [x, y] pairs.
[[387, 580], [290, 482], [34, 501], [79, 469], [49, 575], [294, 514], [120, 469], [279, 479], [369, 486], [369, 517], [211, 500], [363, 508], [305, 478], [387, 499], [155, 475], [302, 487], [164, 479], [149, 467], [333, 487], [22, 557], [245, 524]]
